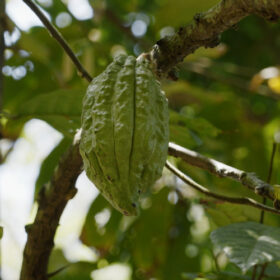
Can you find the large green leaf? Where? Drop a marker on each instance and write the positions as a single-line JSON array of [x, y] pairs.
[[247, 244], [50, 162], [150, 231], [60, 108]]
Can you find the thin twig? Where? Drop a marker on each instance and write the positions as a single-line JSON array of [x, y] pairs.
[[263, 268], [235, 200], [274, 146], [215, 258], [57, 36], [50, 275], [248, 179], [254, 273], [4, 157]]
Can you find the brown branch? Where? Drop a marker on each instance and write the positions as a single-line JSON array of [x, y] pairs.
[[58, 37], [205, 29], [262, 273], [234, 200], [250, 180], [254, 273], [52, 201]]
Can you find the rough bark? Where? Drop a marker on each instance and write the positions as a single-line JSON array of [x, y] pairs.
[[206, 28]]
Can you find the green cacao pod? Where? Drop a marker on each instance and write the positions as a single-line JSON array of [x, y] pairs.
[[125, 132]]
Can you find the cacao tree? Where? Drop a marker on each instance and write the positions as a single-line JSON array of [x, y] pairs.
[[172, 110]]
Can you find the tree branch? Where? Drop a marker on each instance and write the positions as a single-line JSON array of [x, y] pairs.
[[52, 201], [58, 37], [250, 180], [235, 200], [205, 29]]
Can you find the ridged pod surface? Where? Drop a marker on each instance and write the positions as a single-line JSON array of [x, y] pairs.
[[124, 139]]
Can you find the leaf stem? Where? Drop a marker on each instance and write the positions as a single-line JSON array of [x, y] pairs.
[[274, 146], [254, 273], [263, 267]]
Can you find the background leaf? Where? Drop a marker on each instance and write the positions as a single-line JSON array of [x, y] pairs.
[[61, 109], [69, 270], [247, 244]]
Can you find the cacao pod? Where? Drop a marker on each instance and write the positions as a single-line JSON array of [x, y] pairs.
[[124, 138]]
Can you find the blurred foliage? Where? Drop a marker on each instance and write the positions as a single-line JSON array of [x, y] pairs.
[[217, 107], [248, 244], [49, 164]]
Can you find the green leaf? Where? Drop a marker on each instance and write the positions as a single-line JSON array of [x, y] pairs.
[[65, 270], [36, 46], [104, 237], [183, 136], [147, 226], [247, 244], [202, 127], [178, 237], [227, 213], [218, 217], [1, 232], [273, 270], [76, 271], [169, 11], [60, 108], [50, 162]]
